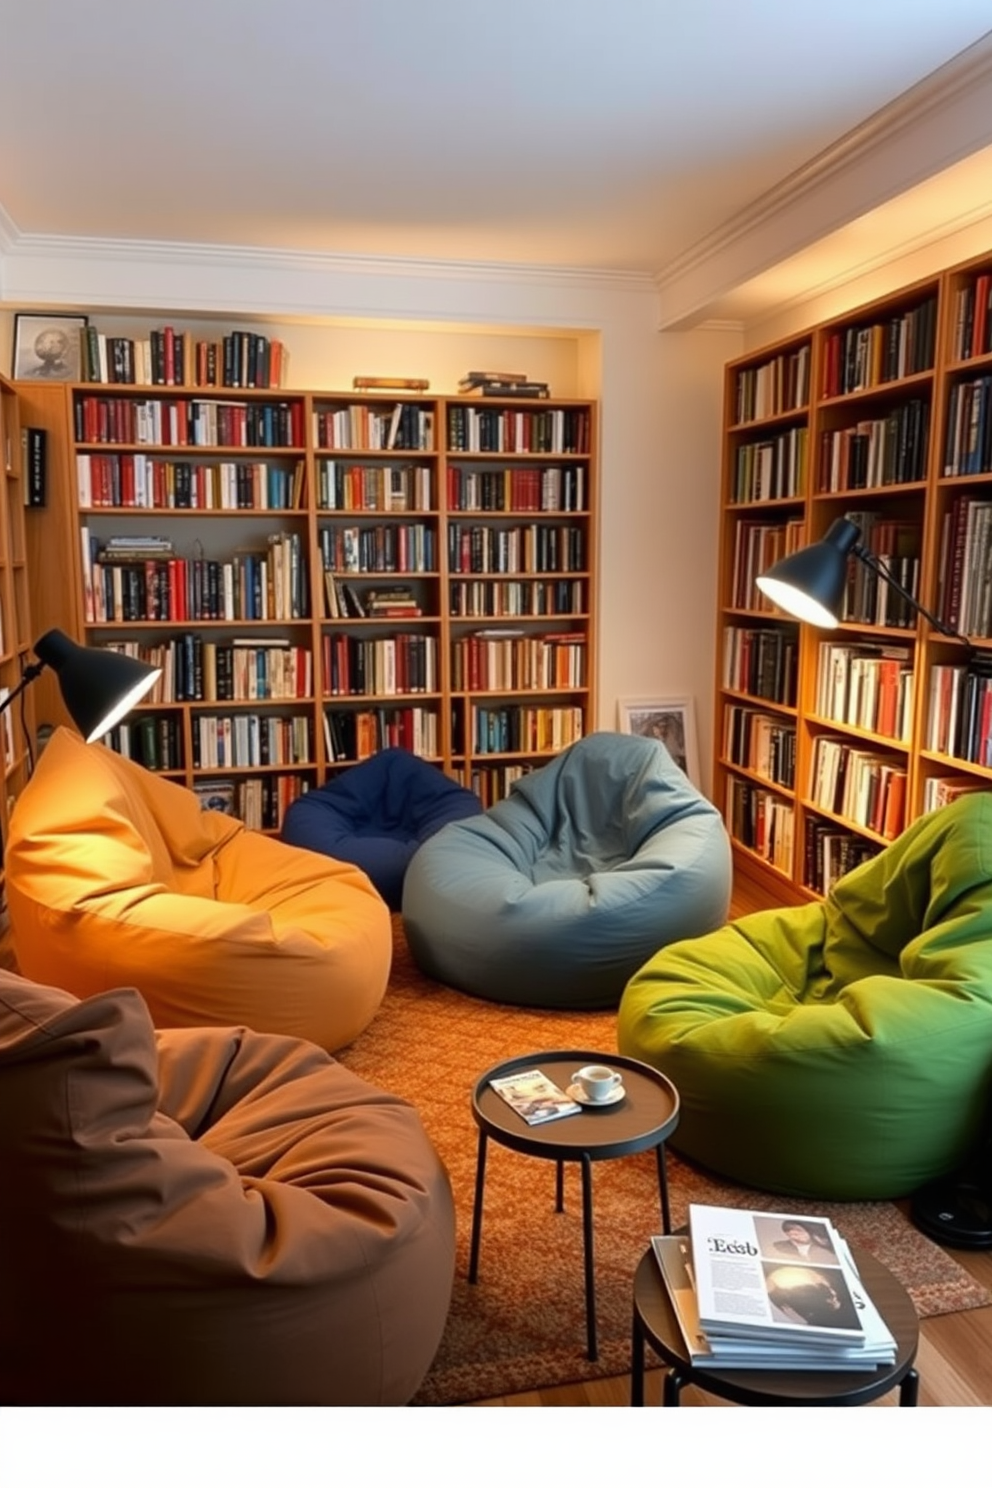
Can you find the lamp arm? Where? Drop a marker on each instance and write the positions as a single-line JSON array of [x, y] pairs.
[[870, 560], [27, 676]]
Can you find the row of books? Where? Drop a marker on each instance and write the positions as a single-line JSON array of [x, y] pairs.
[[973, 319], [478, 598], [762, 662], [171, 358], [757, 546], [516, 550], [245, 740], [968, 437], [517, 488], [490, 661], [261, 802], [868, 599], [762, 821], [777, 386], [244, 669], [154, 741], [393, 547], [379, 666], [523, 729], [768, 1290], [858, 357], [199, 423], [120, 586], [866, 788], [356, 734], [829, 851], [964, 581], [550, 431], [369, 426], [887, 451], [868, 686], [492, 783], [761, 743], [772, 469], [959, 715], [387, 488], [147, 482]]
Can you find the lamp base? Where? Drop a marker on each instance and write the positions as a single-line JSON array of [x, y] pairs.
[[955, 1211]]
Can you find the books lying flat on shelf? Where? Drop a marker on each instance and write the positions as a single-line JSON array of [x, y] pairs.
[[534, 1097], [754, 1290]]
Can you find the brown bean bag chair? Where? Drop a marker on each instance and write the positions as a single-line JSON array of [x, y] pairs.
[[116, 877], [207, 1216]]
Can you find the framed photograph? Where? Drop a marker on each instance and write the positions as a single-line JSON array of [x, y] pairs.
[[46, 347], [672, 720]]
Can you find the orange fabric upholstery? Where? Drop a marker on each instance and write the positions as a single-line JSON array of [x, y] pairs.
[[207, 1216], [117, 877]]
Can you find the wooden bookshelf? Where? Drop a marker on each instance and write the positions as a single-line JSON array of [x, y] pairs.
[[416, 571], [827, 743], [16, 636]]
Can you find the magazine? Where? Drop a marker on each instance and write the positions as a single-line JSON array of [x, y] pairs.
[[534, 1097], [674, 1256], [772, 1276]]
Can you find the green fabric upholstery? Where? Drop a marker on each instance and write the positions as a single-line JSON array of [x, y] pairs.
[[839, 1050]]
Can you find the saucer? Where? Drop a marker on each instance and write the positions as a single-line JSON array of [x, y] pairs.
[[575, 1092]]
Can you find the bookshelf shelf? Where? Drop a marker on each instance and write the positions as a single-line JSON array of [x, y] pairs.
[[898, 431]]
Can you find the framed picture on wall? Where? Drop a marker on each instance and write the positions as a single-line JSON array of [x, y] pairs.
[[46, 347], [672, 720]]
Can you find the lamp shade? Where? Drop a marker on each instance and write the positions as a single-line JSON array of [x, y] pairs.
[[810, 583], [98, 687]]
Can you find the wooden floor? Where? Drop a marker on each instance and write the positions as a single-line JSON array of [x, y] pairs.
[[954, 1359]]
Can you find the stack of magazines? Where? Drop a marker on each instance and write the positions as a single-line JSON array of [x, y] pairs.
[[754, 1290]]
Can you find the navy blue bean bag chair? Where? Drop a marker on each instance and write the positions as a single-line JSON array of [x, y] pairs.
[[377, 813], [556, 895]]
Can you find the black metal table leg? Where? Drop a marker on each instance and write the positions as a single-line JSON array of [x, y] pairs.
[[592, 1350], [666, 1213], [637, 1361], [560, 1187], [480, 1183], [910, 1388], [672, 1387]]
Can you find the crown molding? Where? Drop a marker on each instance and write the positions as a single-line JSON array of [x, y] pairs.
[[123, 274], [939, 121]]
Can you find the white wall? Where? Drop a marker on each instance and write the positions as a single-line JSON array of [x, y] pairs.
[[590, 336]]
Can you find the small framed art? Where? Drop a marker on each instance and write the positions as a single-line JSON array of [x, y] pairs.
[[672, 720], [46, 347]]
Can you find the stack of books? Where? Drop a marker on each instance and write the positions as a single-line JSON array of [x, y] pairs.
[[502, 385], [756, 1290]]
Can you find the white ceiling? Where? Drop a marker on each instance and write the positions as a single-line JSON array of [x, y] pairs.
[[568, 133]]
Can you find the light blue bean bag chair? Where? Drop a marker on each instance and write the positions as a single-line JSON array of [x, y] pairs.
[[556, 895]]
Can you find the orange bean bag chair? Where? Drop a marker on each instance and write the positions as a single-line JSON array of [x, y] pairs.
[[116, 877], [207, 1216]]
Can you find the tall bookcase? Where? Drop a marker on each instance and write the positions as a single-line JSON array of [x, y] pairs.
[[17, 723], [332, 573], [828, 743]]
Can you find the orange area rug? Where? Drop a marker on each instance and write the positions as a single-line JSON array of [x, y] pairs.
[[522, 1326]]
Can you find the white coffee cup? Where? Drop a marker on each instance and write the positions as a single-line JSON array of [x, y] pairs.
[[598, 1081]]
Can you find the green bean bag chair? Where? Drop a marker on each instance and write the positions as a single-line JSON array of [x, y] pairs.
[[840, 1050], [557, 894]]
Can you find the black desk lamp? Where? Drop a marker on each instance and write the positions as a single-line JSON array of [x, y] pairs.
[[810, 584], [98, 687]]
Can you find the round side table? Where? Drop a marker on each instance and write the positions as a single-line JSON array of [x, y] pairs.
[[645, 1118], [655, 1323]]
